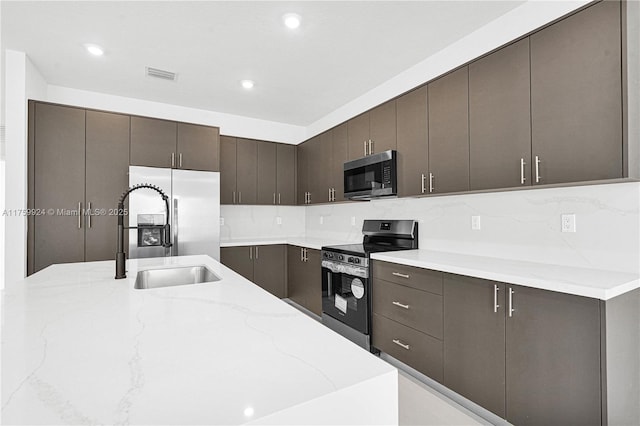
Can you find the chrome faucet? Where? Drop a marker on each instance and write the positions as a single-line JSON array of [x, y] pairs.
[[166, 229]]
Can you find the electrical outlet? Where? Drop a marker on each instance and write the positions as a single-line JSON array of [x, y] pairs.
[[475, 223], [353, 221], [278, 220], [221, 221], [321, 220], [568, 223]]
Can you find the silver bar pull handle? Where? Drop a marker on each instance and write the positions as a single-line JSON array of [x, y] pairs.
[[365, 148], [370, 147], [538, 169], [173, 159], [279, 200], [422, 188], [430, 182], [239, 197], [511, 310], [234, 197], [399, 343], [301, 254], [274, 198], [89, 214], [174, 245], [401, 305], [523, 179], [250, 253], [401, 275], [305, 255], [79, 215], [495, 298], [329, 194], [180, 160], [256, 252]]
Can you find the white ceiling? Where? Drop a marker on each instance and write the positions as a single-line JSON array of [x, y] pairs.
[[342, 49]]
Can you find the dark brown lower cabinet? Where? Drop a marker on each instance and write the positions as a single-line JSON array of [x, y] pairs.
[[528, 355], [304, 278], [263, 265]]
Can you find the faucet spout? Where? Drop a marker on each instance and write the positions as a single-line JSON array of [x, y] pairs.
[[121, 256]]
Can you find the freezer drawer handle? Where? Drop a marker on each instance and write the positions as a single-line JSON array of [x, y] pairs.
[[402, 305], [402, 345], [398, 274]]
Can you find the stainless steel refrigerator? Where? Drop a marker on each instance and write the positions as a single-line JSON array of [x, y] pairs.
[[194, 212]]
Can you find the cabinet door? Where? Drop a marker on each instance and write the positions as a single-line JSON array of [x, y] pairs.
[[107, 167], [412, 143], [358, 136], [317, 162], [153, 142], [313, 281], [576, 96], [500, 118], [339, 154], [239, 259], [474, 343], [286, 174], [296, 276], [552, 358], [302, 172], [228, 165], [269, 269], [198, 147], [246, 173], [266, 173], [59, 158], [382, 127], [449, 132]]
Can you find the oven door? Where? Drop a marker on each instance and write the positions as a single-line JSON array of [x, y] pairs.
[[345, 294]]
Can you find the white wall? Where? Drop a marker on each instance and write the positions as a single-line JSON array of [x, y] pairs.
[[22, 82], [523, 224]]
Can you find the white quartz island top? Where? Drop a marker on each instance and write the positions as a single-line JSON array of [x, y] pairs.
[[595, 283], [79, 347]]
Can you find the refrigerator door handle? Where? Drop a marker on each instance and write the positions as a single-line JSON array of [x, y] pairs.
[[174, 247]]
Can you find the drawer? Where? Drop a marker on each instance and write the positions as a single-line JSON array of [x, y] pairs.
[[419, 278], [416, 349], [414, 308]]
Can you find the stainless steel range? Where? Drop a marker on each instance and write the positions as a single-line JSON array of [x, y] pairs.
[[346, 276]]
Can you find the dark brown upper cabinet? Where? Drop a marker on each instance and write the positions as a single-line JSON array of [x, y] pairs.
[[339, 155], [198, 147], [319, 154], [246, 172], [448, 103], [576, 88], [413, 144], [286, 174], [162, 143], [302, 175], [228, 170], [372, 132], [267, 165], [78, 164], [500, 119]]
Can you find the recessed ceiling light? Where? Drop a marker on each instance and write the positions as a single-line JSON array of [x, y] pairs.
[[247, 84], [291, 20], [94, 49]]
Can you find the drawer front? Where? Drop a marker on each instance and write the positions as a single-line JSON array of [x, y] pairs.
[[416, 349], [419, 278], [414, 308]]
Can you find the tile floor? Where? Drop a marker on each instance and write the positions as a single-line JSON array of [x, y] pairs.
[[421, 405]]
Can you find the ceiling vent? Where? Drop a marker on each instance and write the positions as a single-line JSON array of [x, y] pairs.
[[157, 73]]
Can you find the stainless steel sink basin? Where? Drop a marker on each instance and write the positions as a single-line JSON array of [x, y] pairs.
[[168, 277]]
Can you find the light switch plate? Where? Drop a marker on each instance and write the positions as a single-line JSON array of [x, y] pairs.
[[221, 221], [568, 223], [321, 220], [278, 220], [353, 221]]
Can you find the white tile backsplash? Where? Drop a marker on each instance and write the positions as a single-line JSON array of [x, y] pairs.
[[242, 222], [523, 225]]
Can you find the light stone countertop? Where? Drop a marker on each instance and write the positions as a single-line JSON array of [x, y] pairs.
[[79, 347], [312, 243], [595, 283]]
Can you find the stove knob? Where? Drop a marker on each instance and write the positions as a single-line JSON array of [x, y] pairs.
[[350, 259], [340, 257], [356, 260]]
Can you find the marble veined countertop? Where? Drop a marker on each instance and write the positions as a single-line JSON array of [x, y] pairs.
[[595, 283], [79, 347]]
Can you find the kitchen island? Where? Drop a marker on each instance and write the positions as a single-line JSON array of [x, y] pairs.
[[79, 347]]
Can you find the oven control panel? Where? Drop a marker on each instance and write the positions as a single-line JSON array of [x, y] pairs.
[[345, 258]]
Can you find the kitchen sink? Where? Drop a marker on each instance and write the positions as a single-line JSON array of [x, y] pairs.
[[168, 277]]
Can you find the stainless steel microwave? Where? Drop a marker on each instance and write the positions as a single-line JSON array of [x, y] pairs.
[[371, 176]]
